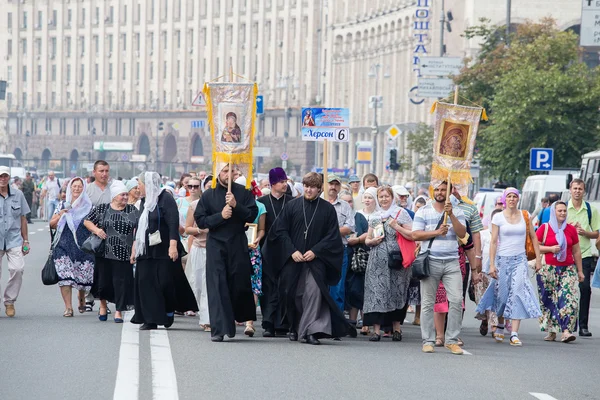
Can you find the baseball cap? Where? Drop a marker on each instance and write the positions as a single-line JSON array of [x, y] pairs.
[[353, 178], [4, 170], [333, 177]]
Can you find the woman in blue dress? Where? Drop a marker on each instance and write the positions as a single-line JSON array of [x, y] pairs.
[[75, 268]]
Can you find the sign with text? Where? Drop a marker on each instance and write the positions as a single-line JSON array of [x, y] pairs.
[[332, 124], [364, 151], [590, 23], [113, 146], [441, 66], [435, 87]]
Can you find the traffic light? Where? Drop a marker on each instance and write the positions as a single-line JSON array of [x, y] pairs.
[[160, 126], [394, 166]]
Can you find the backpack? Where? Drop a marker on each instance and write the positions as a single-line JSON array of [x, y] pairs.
[[589, 213]]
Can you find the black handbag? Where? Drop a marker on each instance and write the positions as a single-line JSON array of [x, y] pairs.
[[49, 275], [394, 257], [360, 258], [420, 267], [94, 244]]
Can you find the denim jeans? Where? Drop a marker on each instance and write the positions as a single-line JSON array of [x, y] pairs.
[[338, 291]]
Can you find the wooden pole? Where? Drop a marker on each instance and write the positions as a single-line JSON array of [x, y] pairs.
[[449, 187], [455, 94], [230, 155], [325, 167]]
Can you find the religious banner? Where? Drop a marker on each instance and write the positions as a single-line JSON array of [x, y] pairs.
[[454, 136], [231, 117]]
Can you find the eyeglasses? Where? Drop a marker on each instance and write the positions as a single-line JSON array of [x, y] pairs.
[[499, 204], [193, 186]]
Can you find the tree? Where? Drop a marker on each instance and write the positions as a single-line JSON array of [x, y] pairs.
[[538, 94]]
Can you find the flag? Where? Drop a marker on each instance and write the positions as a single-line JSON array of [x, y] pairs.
[[231, 115], [454, 136]]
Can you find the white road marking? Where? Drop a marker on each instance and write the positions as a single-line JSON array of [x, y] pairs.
[[164, 380], [542, 396], [467, 353], [128, 371], [32, 233], [40, 229]]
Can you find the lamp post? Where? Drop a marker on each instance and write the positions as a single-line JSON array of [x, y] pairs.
[[375, 103], [284, 83]]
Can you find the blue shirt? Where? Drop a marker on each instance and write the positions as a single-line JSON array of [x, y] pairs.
[[12, 208], [545, 216]]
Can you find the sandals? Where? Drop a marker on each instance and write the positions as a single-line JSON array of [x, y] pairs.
[[483, 328], [68, 312], [82, 307], [515, 341], [89, 307], [439, 342], [249, 331], [397, 336], [551, 337], [567, 338], [365, 331], [375, 337]]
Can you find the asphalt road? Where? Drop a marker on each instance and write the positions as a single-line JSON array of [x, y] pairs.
[[46, 356]]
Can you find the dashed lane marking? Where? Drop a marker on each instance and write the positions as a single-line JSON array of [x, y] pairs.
[[128, 371]]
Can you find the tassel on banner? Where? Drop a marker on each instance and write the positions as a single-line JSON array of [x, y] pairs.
[[433, 106], [484, 115], [458, 177]]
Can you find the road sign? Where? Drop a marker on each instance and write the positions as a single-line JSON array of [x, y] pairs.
[[441, 66], [435, 87], [124, 157], [197, 159], [261, 152], [590, 23], [113, 146], [393, 131], [199, 100], [199, 124], [541, 159], [364, 150], [260, 109], [284, 156], [139, 158], [332, 124]]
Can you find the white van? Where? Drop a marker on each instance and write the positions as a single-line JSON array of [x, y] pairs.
[[538, 186]]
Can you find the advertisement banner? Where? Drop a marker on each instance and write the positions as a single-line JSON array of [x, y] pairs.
[[332, 124]]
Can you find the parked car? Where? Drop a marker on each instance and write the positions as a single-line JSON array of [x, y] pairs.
[[485, 200]]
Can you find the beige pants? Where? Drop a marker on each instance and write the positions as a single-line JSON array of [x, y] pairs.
[[16, 264]]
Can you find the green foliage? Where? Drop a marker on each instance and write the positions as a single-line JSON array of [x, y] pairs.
[[537, 93]]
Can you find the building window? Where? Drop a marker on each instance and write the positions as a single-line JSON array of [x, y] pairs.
[[82, 73], [164, 70], [164, 35], [53, 72], [137, 70], [124, 20], [138, 13], [111, 14], [124, 38], [110, 43], [110, 99], [53, 99], [69, 17], [110, 72], [24, 102], [96, 72], [24, 46], [82, 44], [151, 70], [9, 21], [40, 20], [54, 18], [9, 48], [178, 69], [39, 99], [38, 46], [68, 39], [96, 97], [24, 74], [53, 46], [97, 16], [96, 44], [82, 23], [124, 71], [68, 73], [151, 41], [137, 41], [9, 73], [39, 73], [24, 20], [178, 35]]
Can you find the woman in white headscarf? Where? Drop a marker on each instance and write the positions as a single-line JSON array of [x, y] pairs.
[[74, 267], [160, 283], [116, 223]]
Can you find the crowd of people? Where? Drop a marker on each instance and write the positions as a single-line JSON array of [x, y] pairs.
[[319, 263]]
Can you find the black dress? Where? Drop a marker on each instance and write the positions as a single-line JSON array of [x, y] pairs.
[[269, 301], [160, 284], [228, 267]]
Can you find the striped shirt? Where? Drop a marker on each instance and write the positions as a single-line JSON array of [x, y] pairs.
[[472, 216], [443, 247]]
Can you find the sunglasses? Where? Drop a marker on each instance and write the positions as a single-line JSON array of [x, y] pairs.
[[499, 204], [193, 186]]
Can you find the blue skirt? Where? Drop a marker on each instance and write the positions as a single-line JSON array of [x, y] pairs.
[[512, 295]]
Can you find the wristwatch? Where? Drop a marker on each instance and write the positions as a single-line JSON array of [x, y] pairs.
[[479, 257]]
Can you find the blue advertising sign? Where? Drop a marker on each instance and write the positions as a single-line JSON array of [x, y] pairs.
[[199, 124], [260, 109], [541, 159], [319, 124]]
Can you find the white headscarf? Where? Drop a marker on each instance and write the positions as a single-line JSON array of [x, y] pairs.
[[373, 193], [117, 188], [80, 208], [152, 182], [299, 188]]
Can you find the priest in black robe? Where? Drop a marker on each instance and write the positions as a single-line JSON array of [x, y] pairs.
[[274, 202], [312, 250], [228, 267]]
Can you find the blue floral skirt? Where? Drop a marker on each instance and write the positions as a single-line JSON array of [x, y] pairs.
[[256, 260], [512, 296]]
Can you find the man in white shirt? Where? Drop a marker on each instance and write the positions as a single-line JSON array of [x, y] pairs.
[[51, 193]]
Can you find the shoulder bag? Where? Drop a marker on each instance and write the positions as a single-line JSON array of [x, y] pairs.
[[360, 259], [529, 249], [420, 267], [94, 244], [49, 275]]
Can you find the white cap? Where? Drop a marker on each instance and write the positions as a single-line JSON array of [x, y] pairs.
[[4, 170], [400, 190]]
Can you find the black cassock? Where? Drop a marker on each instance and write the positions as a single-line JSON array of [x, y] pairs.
[[228, 267], [298, 299], [272, 264]]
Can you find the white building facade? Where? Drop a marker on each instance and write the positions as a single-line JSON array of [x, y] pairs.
[[85, 71]]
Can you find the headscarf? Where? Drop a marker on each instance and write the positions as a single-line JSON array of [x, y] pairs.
[[117, 188], [206, 179], [80, 208], [299, 188], [373, 193], [131, 184], [152, 182], [293, 189], [559, 232], [417, 199], [508, 191]]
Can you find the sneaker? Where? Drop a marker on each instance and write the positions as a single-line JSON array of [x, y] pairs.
[[514, 341], [455, 349], [10, 310], [428, 348]]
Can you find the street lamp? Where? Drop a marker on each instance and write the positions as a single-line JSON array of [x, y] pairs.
[[376, 102]]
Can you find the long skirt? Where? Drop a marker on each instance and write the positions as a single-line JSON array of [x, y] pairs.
[[154, 291], [558, 288], [195, 272], [511, 296], [113, 282]]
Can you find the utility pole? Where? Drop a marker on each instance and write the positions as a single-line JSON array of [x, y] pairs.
[[442, 25], [508, 9], [159, 128]]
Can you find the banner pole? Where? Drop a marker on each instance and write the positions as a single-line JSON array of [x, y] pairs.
[[448, 190], [325, 167]]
